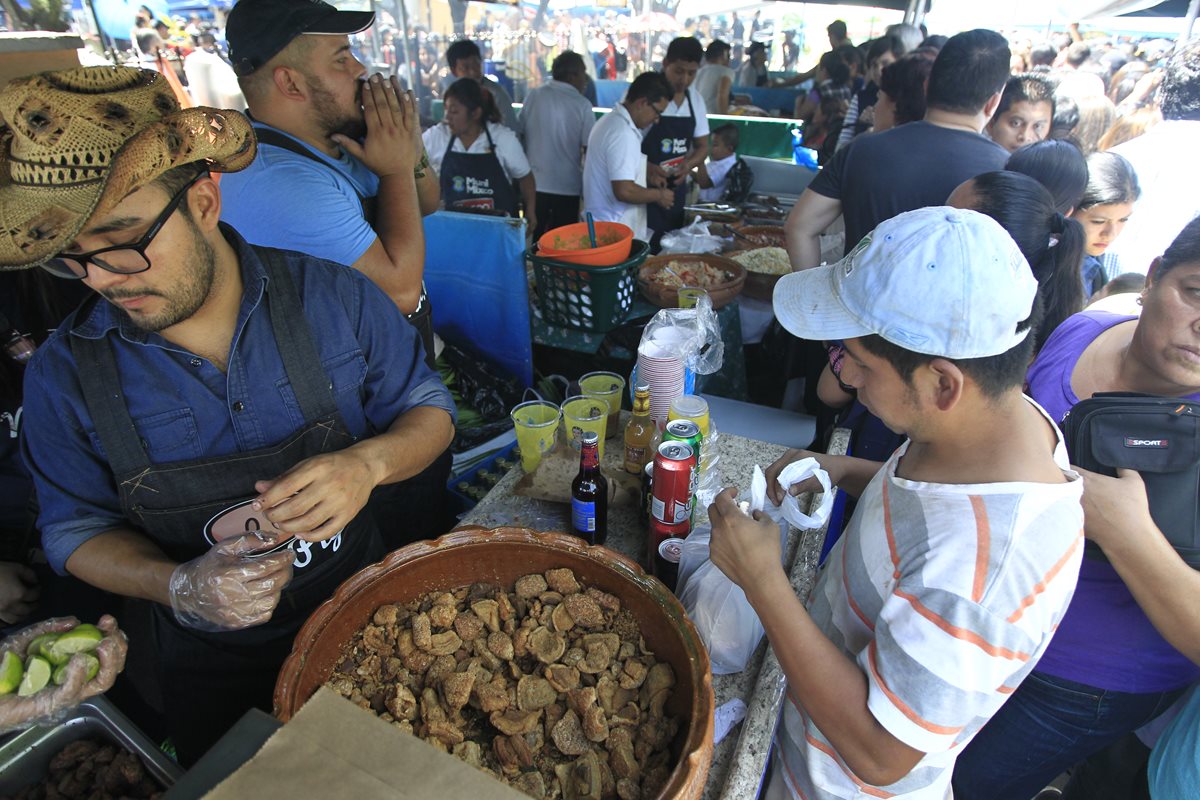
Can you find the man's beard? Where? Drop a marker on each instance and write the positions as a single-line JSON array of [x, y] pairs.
[[183, 300], [331, 118]]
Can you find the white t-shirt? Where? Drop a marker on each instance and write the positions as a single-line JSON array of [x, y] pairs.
[[508, 148], [718, 171], [708, 81], [557, 120], [945, 596], [681, 110], [614, 153]]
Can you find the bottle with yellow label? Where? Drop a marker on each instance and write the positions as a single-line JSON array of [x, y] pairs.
[[639, 433]]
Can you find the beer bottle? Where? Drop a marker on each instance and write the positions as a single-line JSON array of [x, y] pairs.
[[589, 494], [639, 433]]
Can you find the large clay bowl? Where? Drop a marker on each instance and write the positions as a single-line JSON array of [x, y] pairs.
[[721, 294], [759, 285], [502, 555], [761, 236]]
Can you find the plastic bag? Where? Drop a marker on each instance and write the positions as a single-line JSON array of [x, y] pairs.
[[790, 511], [695, 238], [692, 335], [717, 606]]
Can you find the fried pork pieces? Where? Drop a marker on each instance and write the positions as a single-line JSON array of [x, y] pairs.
[[548, 687]]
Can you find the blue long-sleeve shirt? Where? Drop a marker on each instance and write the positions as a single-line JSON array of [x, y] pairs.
[[184, 408]]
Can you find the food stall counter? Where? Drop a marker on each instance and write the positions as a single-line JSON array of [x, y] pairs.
[[740, 759]]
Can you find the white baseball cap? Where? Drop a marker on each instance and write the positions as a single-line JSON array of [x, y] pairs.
[[941, 281]]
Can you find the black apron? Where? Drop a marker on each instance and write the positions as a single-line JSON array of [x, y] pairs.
[[476, 181], [669, 138], [208, 680], [422, 318]]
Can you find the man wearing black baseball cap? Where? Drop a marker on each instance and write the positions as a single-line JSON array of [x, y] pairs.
[[341, 172]]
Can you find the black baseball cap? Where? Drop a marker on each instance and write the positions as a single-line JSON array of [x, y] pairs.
[[258, 29]]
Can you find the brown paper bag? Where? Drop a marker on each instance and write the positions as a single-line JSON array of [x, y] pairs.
[[334, 750]]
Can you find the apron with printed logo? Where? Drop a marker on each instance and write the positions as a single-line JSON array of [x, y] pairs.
[[667, 143], [476, 180], [208, 680]]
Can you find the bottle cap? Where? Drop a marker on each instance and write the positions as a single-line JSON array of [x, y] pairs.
[[641, 387], [590, 437]]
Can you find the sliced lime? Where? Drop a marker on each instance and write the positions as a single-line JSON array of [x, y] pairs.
[[40, 646], [93, 667], [80, 639], [11, 671], [37, 675]]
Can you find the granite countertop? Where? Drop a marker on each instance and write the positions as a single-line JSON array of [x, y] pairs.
[[741, 757]]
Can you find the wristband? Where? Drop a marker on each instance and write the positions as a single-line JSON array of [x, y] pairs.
[[422, 165]]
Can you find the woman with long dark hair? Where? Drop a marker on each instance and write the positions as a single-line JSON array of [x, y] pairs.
[[479, 161], [1106, 206]]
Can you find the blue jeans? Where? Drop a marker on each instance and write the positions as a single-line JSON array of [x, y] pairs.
[[1048, 725]]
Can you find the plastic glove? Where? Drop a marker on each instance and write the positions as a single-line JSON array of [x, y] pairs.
[[229, 588], [44, 706]]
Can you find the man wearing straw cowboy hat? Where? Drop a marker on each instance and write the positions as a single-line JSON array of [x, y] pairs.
[[192, 443]]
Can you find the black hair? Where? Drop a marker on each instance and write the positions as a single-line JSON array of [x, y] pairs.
[[850, 56], [1184, 249], [971, 68], [1111, 179], [994, 375], [716, 50], [1066, 117], [1042, 55], [1078, 53], [459, 50], [884, 44], [1179, 94], [566, 65], [1126, 282], [728, 134], [904, 82], [1026, 88], [1057, 164], [837, 28], [937, 41], [835, 68], [473, 96], [173, 180], [1052, 243], [649, 85], [684, 48]]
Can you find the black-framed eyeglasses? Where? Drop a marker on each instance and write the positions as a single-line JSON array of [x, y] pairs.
[[123, 259]]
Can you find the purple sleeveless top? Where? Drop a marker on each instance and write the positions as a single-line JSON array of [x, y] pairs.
[[1105, 640]]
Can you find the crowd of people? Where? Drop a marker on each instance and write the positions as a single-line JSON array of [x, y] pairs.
[[239, 410]]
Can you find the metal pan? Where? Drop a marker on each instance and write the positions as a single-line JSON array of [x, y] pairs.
[[25, 757]]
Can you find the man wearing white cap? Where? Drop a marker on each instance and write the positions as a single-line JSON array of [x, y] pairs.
[[962, 553]]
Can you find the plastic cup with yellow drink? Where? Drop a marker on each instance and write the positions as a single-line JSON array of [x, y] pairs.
[[608, 386], [536, 423], [581, 414]]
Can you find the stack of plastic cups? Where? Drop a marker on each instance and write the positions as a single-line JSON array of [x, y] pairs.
[[664, 373]]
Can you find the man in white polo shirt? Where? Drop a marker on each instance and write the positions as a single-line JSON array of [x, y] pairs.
[[614, 171], [557, 120], [964, 549]]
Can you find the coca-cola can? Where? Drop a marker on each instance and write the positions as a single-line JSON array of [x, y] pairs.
[[666, 561], [673, 484], [647, 494]]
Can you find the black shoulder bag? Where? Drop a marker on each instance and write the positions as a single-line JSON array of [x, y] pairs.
[[1157, 436]]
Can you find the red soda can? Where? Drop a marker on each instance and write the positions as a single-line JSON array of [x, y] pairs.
[[671, 491]]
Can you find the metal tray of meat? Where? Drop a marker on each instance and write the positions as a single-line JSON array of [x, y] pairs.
[[25, 757]]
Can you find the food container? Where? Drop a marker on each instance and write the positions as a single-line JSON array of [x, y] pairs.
[[570, 243], [759, 285], [720, 294], [25, 758], [502, 555], [761, 236]]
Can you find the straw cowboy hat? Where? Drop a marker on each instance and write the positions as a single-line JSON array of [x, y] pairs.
[[77, 142]]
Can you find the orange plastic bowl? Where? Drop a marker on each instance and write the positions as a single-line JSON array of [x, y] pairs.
[[570, 243]]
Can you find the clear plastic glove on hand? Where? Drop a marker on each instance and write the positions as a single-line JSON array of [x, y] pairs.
[[46, 705], [230, 587]]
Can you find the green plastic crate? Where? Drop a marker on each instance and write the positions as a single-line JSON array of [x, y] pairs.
[[588, 298]]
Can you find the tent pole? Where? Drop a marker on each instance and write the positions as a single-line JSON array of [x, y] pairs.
[[412, 78], [1190, 20], [106, 43]]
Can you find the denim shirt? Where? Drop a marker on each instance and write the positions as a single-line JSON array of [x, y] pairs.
[[184, 408]]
